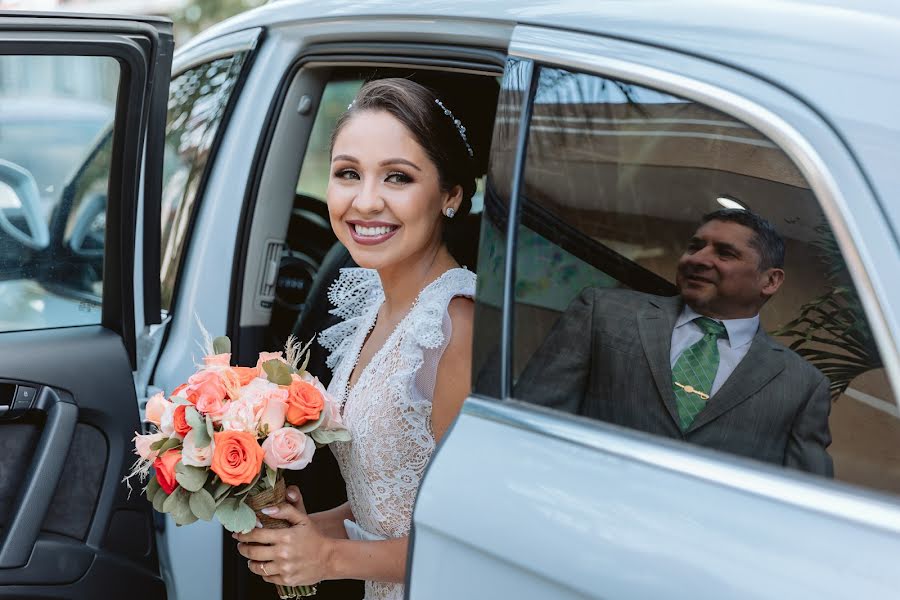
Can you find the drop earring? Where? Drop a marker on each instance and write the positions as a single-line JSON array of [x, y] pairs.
[[450, 211]]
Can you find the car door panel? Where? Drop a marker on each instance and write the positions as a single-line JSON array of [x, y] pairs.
[[586, 511], [69, 527]]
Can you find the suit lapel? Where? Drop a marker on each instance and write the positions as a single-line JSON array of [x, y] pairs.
[[655, 324], [764, 360]]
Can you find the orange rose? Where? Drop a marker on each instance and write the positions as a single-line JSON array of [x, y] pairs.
[[165, 470], [237, 457], [180, 420], [245, 374], [304, 402]]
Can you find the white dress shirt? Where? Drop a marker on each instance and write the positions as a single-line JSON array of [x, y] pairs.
[[731, 349]]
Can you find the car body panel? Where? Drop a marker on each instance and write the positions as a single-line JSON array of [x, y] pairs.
[[540, 515]]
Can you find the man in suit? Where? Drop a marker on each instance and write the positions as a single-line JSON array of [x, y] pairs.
[[696, 367]]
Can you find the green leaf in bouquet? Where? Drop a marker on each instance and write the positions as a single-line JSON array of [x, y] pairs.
[[313, 425], [326, 436], [220, 490], [202, 504], [158, 444], [151, 488], [159, 500], [179, 400], [209, 427], [172, 442], [234, 515], [189, 477], [277, 372], [222, 345], [247, 487], [271, 476], [176, 503], [202, 438]]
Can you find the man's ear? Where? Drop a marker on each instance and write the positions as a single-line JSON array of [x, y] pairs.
[[772, 280]]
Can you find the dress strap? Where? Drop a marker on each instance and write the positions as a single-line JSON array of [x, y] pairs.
[[428, 326], [353, 294]]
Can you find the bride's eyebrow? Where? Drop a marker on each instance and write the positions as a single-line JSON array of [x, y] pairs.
[[399, 161], [346, 157]]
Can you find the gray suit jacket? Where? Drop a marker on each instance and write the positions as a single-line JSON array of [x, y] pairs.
[[608, 358]]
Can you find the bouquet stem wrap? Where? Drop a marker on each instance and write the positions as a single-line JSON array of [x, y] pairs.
[[272, 497]]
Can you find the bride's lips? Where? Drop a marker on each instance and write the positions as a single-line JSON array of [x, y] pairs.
[[371, 240]]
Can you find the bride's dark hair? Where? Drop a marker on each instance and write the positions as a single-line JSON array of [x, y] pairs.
[[443, 139]]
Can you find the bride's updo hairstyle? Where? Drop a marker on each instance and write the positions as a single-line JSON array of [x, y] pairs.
[[432, 124]]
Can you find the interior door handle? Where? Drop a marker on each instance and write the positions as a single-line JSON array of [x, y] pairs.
[[33, 501]]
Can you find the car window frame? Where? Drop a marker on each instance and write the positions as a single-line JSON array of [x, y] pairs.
[[248, 42], [592, 54]]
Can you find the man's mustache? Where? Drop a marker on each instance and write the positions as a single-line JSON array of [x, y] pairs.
[[694, 273]]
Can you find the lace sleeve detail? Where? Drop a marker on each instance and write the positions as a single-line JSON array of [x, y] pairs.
[[431, 331], [352, 294]]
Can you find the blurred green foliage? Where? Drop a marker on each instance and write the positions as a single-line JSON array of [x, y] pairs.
[[197, 15]]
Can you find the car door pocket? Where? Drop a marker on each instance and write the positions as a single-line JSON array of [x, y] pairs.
[[36, 491]]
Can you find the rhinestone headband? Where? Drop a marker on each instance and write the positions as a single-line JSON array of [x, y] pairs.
[[459, 127], [456, 122]]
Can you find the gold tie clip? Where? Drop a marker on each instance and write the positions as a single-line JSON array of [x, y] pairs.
[[692, 390]]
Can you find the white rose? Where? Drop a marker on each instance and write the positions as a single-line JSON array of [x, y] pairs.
[[194, 456]]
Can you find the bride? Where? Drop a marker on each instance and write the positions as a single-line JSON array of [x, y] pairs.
[[401, 171]]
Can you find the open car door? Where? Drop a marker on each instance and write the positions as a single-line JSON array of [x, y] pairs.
[[82, 115]]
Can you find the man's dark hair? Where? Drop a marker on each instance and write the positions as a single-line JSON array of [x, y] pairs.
[[766, 240]]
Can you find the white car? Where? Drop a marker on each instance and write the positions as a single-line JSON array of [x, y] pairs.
[[605, 131]]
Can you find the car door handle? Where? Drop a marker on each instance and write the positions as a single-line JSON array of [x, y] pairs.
[[36, 492]]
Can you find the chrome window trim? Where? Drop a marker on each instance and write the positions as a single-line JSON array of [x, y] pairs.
[[580, 51], [801, 490]]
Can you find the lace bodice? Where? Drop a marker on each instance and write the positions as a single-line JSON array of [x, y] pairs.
[[388, 410]]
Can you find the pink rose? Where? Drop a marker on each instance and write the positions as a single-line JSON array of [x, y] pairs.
[[217, 360], [270, 412], [142, 445], [287, 448], [194, 456], [156, 406], [205, 386]]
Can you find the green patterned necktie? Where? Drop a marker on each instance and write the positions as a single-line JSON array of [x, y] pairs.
[[695, 371]]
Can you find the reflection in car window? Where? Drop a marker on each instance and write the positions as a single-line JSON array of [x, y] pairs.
[[676, 275], [55, 112], [198, 101]]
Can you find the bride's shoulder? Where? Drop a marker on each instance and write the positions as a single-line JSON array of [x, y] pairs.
[[444, 301]]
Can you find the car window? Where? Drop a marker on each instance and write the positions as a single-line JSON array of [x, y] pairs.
[[50, 127], [198, 102], [676, 275]]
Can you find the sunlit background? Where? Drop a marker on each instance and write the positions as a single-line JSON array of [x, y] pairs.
[[190, 16]]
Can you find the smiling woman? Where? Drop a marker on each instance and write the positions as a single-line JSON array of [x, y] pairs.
[[401, 168]]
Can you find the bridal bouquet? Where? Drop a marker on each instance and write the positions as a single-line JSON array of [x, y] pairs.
[[221, 441]]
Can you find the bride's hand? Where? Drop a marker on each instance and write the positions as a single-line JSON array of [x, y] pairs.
[[297, 555]]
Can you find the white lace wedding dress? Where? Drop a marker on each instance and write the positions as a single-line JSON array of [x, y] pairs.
[[388, 410]]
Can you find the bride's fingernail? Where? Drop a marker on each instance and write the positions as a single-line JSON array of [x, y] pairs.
[[258, 524], [292, 496], [269, 510]]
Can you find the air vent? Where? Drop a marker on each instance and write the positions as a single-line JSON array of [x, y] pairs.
[[269, 271]]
